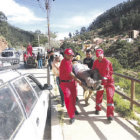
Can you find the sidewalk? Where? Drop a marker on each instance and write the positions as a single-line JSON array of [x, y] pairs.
[[87, 125]]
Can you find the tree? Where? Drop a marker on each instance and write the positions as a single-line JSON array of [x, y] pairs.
[[70, 35], [83, 30], [3, 17], [76, 32]]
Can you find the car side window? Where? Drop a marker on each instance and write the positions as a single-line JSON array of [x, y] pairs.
[[11, 116], [26, 94], [35, 86]]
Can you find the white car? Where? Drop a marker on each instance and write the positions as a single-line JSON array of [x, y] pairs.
[[10, 55], [24, 104]]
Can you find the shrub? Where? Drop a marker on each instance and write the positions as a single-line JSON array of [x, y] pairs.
[[122, 106]]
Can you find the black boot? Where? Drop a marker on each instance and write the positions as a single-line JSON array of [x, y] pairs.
[[72, 120]]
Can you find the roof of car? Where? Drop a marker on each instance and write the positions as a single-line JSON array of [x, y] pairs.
[[8, 75]]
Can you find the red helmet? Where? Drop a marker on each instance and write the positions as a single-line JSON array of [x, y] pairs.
[[99, 52], [68, 52]]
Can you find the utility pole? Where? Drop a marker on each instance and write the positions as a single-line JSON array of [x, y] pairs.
[[48, 20], [38, 41]]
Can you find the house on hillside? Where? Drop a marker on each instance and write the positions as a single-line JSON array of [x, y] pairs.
[[134, 34], [97, 40]]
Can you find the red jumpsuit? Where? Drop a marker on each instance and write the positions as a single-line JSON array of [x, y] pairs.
[[29, 50], [105, 69], [68, 86]]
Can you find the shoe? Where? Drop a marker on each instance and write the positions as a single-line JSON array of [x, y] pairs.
[[76, 112], [97, 112], [110, 118], [72, 120]]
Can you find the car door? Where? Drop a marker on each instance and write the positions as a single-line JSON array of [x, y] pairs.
[[11, 115], [41, 107], [29, 104]]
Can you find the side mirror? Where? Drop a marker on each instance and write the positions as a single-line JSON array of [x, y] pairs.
[[48, 87]]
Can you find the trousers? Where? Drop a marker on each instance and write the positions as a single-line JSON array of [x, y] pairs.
[[70, 92], [110, 104]]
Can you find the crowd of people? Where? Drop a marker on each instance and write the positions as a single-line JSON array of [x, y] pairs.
[[69, 72]]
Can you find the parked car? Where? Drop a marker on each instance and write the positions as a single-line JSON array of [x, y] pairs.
[[24, 103], [10, 55]]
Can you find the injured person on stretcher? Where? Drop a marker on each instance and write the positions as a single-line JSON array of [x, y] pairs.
[[91, 79]]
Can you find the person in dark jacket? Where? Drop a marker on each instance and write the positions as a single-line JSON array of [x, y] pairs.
[[89, 62], [39, 59]]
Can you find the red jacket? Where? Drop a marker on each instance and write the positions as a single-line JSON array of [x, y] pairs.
[[29, 50], [105, 69], [65, 69]]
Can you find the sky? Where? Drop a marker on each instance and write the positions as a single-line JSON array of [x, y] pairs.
[[65, 15]]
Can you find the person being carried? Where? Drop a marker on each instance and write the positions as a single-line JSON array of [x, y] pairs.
[[90, 78]]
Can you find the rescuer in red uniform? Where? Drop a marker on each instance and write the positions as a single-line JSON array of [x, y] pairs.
[[105, 69], [68, 84]]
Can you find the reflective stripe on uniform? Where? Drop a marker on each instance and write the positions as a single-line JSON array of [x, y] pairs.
[[110, 104], [98, 104]]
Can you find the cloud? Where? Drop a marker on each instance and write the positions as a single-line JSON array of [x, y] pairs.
[[77, 21], [61, 35], [17, 13]]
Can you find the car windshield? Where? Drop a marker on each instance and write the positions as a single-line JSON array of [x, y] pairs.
[[10, 114], [26, 94]]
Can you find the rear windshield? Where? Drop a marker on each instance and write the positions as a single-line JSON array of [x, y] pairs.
[[7, 54]]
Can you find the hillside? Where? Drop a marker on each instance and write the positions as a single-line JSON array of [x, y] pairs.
[[118, 19], [13, 35]]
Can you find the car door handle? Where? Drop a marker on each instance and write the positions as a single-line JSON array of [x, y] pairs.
[[37, 121]]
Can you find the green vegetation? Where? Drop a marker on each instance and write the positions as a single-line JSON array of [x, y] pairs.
[[118, 19], [127, 54], [19, 37], [75, 47]]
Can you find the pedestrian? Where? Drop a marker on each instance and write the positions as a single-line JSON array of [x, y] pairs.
[[55, 68], [39, 59], [105, 69], [68, 84], [89, 62], [51, 58]]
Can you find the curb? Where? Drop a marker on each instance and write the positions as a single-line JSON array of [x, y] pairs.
[[56, 130]]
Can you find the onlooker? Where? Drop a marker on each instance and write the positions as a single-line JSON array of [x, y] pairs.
[[39, 59], [55, 68], [51, 58], [68, 84], [105, 69], [89, 62], [77, 56]]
